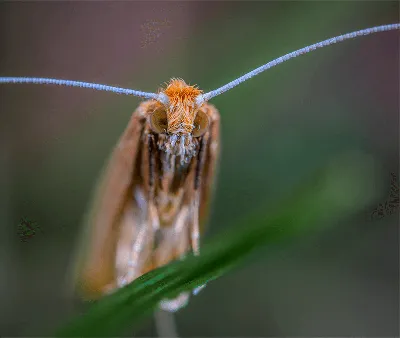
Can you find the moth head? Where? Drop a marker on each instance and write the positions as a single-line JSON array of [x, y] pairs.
[[180, 111], [180, 119]]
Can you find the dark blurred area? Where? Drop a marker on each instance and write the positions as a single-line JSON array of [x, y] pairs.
[[277, 129]]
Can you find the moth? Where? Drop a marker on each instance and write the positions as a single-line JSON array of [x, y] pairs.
[[154, 196], [152, 201]]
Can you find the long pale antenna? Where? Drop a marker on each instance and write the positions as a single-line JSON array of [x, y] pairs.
[[331, 41], [205, 97], [70, 83]]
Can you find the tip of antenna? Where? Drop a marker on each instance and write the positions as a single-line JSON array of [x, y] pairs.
[[161, 97]]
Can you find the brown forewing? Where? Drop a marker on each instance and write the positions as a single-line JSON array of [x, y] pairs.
[[96, 260]]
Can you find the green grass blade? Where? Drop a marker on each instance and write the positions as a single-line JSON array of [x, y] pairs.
[[329, 195]]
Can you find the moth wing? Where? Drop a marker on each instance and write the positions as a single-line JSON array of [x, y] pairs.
[[95, 264]]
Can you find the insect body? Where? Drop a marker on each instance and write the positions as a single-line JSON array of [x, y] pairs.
[[154, 192]]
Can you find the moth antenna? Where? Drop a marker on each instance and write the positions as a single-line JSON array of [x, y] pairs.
[[331, 41], [70, 83], [207, 96]]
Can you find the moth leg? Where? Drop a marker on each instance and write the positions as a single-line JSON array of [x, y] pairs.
[[195, 233], [194, 224], [181, 243], [195, 228], [152, 214], [182, 232], [136, 251], [130, 236]]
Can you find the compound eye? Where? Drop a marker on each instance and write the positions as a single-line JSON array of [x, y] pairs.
[[159, 121], [201, 123]]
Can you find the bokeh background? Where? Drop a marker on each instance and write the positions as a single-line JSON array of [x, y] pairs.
[[276, 129]]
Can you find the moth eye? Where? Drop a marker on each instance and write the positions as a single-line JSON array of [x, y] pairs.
[[201, 123], [159, 121]]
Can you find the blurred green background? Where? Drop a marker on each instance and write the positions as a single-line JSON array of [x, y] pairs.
[[276, 129]]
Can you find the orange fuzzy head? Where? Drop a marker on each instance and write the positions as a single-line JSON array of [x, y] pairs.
[[179, 120], [182, 106]]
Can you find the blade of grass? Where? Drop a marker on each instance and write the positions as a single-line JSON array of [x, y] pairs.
[[330, 194]]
